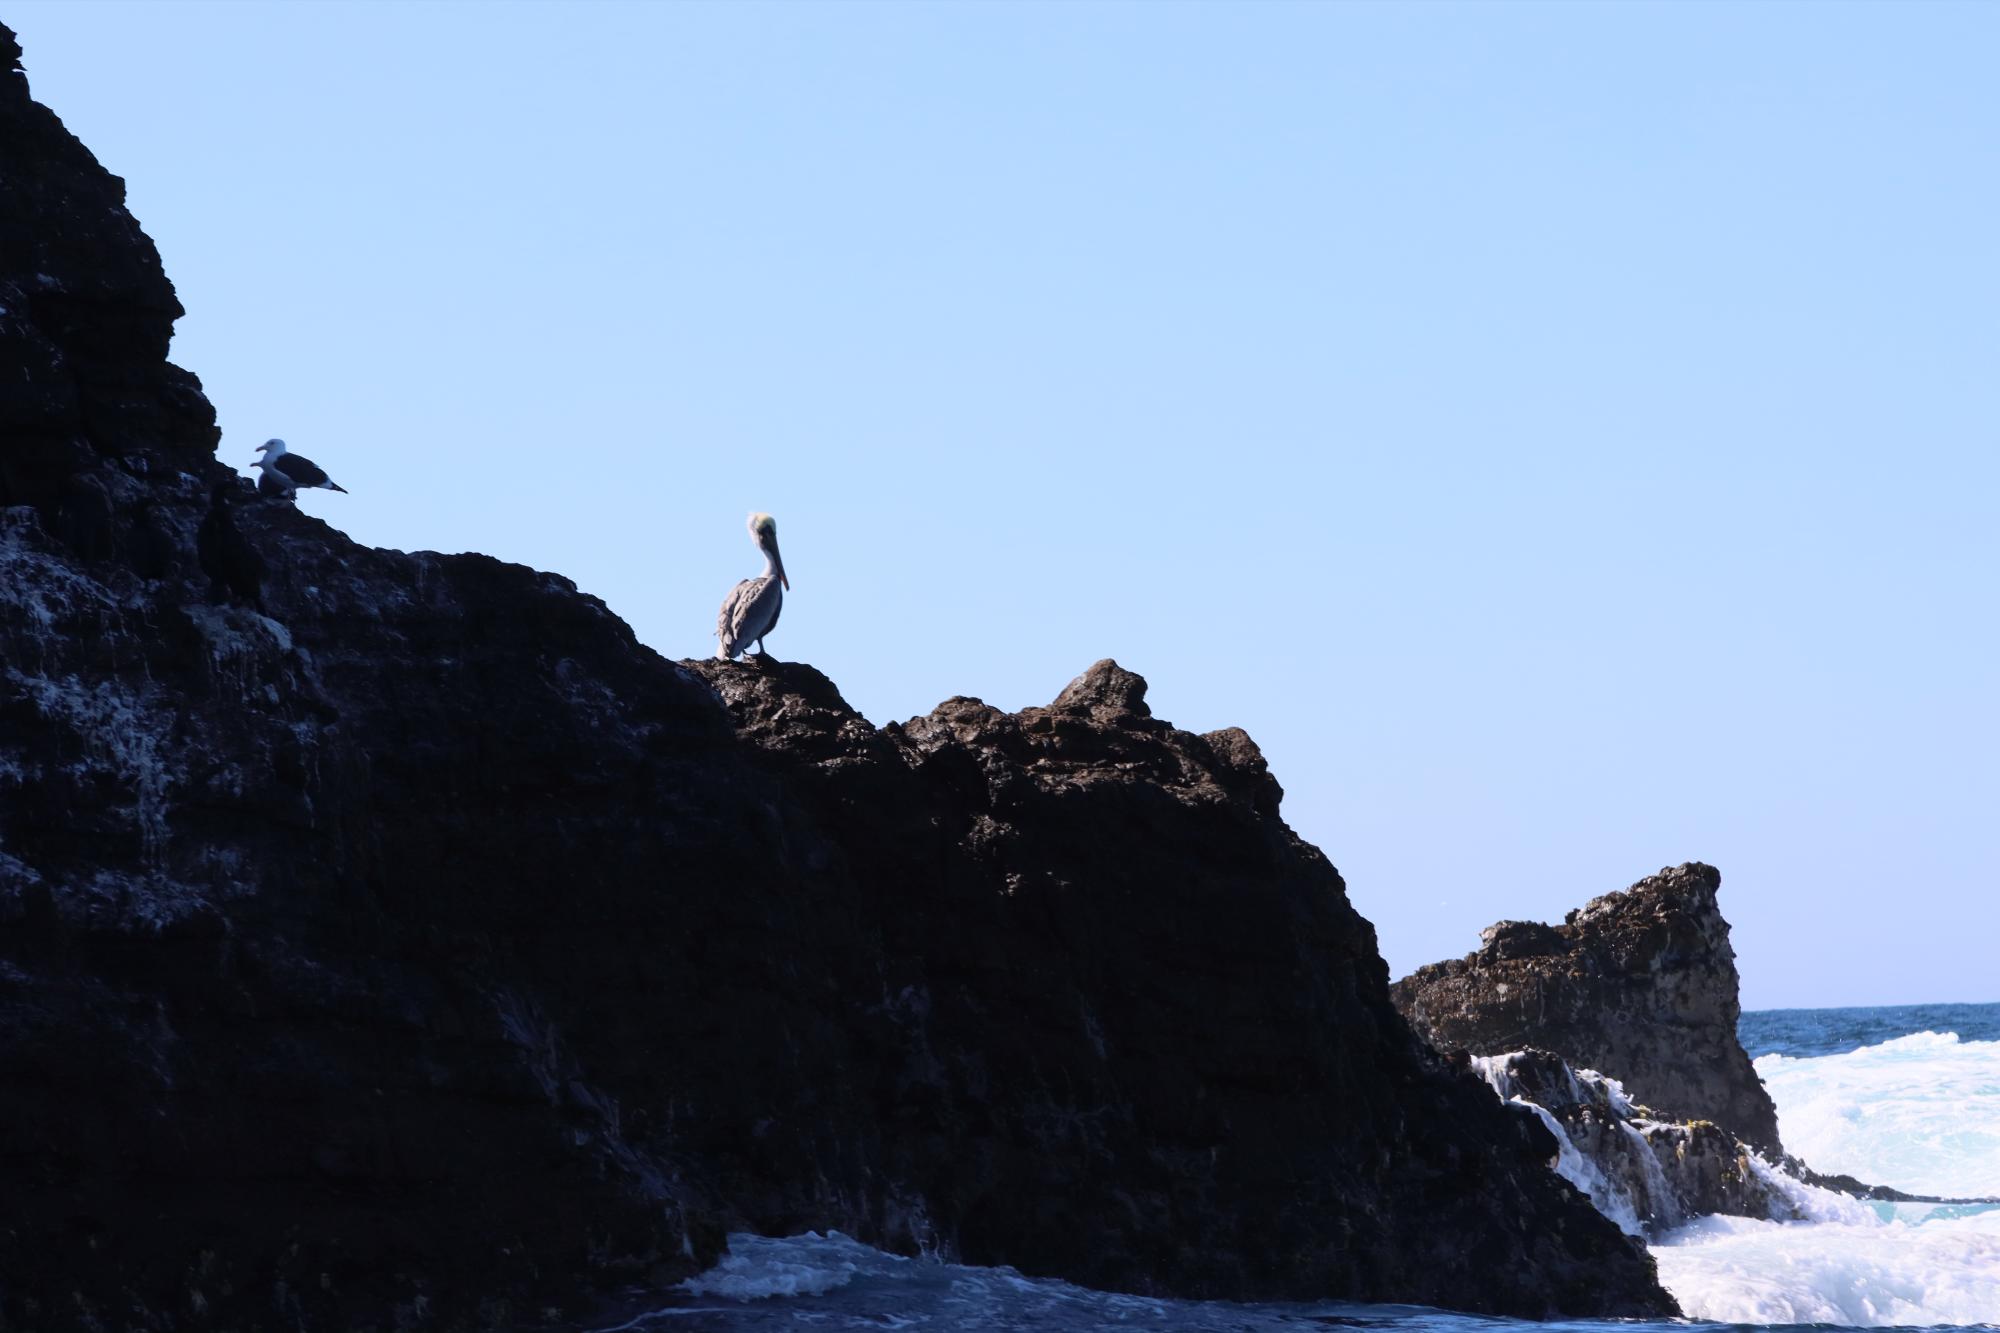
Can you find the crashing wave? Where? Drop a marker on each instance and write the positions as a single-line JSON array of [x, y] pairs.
[[1920, 1112], [1741, 1240], [1645, 1174]]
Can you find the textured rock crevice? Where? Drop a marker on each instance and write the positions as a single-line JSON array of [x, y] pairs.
[[426, 951]]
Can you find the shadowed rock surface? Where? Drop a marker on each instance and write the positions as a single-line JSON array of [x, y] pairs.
[[428, 953], [1640, 985]]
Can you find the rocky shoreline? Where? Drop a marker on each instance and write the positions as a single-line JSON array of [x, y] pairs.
[[422, 951], [1639, 984], [1618, 1027]]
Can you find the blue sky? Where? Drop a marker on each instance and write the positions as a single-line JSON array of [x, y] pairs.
[[1562, 435]]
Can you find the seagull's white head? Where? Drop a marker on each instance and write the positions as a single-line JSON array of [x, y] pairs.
[[274, 445], [764, 531]]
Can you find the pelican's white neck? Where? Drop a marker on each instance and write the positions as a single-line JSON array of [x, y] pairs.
[[770, 563]]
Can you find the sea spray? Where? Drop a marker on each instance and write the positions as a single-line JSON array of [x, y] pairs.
[[1580, 1171], [1727, 1269], [1796, 1252], [1662, 1208], [1598, 1148], [1920, 1113], [1863, 1273], [807, 1265]]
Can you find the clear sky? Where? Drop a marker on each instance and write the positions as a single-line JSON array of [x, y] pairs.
[[1563, 435]]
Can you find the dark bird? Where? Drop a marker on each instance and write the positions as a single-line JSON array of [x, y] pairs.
[[284, 473], [235, 570], [751, 609]]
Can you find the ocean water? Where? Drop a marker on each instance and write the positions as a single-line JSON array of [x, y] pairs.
[[1908, 1097], [1912, 1101], [1810, 1032]]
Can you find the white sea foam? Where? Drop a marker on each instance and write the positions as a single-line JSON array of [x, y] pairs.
[[1583, 1173], [1661, 1205], [1608, 1196], [757, 1268], [1870, 1274], [1921, 1113], [1865, 1272], [837, 1285]]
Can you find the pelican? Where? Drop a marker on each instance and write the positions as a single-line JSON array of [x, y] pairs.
[[751, 609], [284, 473]]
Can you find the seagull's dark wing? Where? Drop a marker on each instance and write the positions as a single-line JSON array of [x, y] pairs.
[[302, 471]]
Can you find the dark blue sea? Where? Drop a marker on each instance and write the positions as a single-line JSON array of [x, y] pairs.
[[1906, 1096], [1809, 1032]]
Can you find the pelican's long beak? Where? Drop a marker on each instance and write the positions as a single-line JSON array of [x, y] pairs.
[[780, 562]]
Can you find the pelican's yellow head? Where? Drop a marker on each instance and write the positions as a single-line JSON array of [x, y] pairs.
[[764, 531]]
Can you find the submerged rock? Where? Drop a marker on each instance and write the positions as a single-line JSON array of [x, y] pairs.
[[414, 948], [1639, 984]]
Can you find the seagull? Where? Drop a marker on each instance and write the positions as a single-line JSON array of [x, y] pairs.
[[751, 609], [232, 564], [284, 473]]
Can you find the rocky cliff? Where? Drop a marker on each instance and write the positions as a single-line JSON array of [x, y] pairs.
[[1640, 985], [424, 952]]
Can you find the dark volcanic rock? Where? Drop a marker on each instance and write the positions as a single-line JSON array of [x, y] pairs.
[[427, 950], [1640, 985], [85, 317], [1170, 988]]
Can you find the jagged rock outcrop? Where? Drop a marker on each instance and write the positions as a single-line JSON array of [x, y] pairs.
[[86, 314], [1648, 1175], [426, 950], [1640, 985]]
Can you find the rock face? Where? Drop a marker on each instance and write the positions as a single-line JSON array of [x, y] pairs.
[[85, 317], [1640, 985], [427, 951]]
